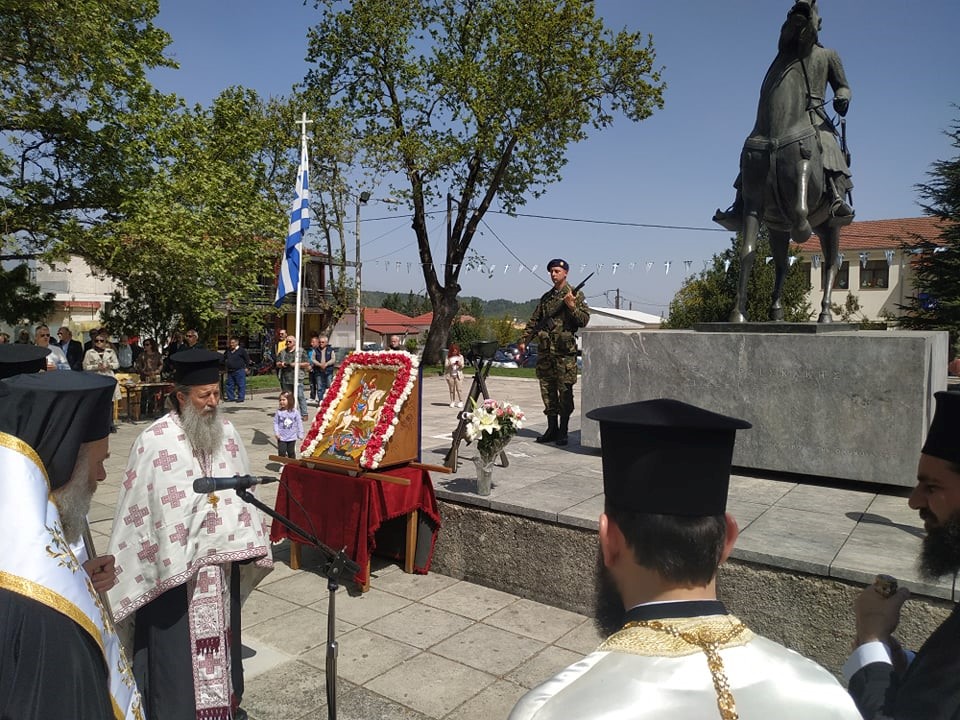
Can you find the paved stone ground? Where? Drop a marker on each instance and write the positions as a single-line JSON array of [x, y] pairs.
[[435, 647]]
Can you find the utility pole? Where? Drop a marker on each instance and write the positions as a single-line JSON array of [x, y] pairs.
[[617, 303], [362, 199]]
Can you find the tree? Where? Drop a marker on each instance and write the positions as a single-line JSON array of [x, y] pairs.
[[75, 108], [20, 297], [482, 98], [709, 296], [935, 304], [196, 240]]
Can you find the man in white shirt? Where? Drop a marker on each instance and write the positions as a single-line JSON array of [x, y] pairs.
[[57, 359]]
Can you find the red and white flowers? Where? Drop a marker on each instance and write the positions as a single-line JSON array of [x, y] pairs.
[[385, 416]]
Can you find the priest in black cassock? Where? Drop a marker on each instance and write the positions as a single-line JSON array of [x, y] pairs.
[[886, 681], [673, 651], [59, 654]]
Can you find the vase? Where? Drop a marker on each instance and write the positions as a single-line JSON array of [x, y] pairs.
[[484, 474]]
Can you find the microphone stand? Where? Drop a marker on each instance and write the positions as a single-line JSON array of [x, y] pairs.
[[337, 563]]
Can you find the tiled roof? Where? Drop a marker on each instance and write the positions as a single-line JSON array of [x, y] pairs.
[[388, 322], [427, 319], [884, 234]]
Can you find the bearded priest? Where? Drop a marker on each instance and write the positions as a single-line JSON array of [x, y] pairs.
[[672, 649], [184, 560]]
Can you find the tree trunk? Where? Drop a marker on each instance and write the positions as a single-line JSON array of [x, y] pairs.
[[445, 306]]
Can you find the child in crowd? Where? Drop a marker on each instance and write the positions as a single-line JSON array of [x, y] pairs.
[[287, 426]]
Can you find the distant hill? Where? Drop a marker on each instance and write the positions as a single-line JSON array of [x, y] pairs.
[[492, 309]]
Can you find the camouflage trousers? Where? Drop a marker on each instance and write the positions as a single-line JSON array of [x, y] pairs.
[[557, 376]]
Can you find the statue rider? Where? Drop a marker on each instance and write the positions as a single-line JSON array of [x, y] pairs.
[[821, 67]]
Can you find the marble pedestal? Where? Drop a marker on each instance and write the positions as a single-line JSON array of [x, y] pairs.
[[851, 405]]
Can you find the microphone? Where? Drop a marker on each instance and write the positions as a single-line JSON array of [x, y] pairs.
[[207, 485]]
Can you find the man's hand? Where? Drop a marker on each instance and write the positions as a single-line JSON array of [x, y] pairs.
[[841, 105], [569, 300], [102, 571], [877, 616]]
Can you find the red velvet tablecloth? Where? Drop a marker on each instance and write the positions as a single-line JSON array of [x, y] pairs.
[[346, 511]]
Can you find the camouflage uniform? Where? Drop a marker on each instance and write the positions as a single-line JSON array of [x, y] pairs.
[[553, 326]]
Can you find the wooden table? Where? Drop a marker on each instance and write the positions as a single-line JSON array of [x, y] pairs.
[[135, 391], [346, 512]]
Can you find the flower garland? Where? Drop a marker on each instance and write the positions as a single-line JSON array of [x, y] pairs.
[[404, 364]]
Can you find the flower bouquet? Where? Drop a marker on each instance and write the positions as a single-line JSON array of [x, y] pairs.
[[492, 424]]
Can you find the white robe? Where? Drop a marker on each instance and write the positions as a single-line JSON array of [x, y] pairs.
[[766, 679], [163, 531]]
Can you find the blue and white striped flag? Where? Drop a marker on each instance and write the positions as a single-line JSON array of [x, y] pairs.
[[299, 222]]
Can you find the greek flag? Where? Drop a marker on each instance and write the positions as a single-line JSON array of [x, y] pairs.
[[299, 222]]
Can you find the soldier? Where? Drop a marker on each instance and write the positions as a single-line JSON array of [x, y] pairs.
[[554, 324]]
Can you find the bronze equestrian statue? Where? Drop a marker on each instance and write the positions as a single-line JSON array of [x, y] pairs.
[[794, 176]]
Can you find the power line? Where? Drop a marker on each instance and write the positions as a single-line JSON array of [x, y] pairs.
[[611, 222]]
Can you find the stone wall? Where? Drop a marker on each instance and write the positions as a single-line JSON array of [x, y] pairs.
[[851, 405], [556, 565]]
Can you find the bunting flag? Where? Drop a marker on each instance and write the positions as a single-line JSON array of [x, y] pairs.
[[649, 265], [632, 266], [686, 265], [583, 267], [534, 268], [816, 261], [666, 267], [839, 260], [864, 256], [726, 265], [888, 254], [791, 260], [289, 276], [506, 268], [409, 265], [767, 259], [615, 266]]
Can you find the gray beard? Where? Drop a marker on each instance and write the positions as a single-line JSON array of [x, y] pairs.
[[73, 499], [204, 432]]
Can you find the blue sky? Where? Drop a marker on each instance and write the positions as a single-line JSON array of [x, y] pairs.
[[673, 169]]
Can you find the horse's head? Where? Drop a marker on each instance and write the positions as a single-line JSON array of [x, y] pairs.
[[800, 32]]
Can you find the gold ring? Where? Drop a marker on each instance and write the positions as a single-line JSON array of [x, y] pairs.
[[885, 585]]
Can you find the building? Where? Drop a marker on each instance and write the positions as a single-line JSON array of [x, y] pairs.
[[876, 266], [79, 294]]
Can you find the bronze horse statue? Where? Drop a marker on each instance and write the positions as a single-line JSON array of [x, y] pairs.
[[793, 173]]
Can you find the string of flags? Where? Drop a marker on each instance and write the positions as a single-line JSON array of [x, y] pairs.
[[623, 267], [493, 268]]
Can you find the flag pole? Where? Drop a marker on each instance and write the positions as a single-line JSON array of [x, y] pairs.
[[290, 278], [303, 122]]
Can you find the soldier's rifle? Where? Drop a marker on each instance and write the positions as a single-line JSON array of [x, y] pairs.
[[546, 322]]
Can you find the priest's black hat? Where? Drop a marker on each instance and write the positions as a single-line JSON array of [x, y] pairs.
[[943, 437], [54, 413], [196, 366], [17, 358], [666, 457]]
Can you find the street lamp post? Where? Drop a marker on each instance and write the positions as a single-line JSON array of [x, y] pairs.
[[362, 199]]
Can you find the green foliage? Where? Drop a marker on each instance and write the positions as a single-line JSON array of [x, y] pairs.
[[76, 109], [501, 330], [21, 299], [709, 296], [935, 304], [197, 239], [465, 334], [411, 305], [480, 98]]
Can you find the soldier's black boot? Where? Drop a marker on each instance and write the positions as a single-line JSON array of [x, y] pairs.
[[562, 430], [551, 434]]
